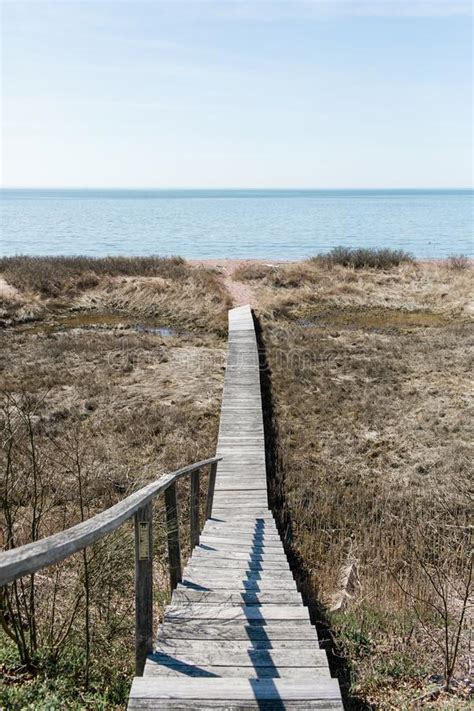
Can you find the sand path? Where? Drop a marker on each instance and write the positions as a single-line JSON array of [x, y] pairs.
[[7, 291], [242, 293]]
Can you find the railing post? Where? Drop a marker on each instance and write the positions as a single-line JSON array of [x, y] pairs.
[[194, 509], [210, 489], [143, 586], [174, 553]]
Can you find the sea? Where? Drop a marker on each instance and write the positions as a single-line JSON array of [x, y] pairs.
[[254, 224]]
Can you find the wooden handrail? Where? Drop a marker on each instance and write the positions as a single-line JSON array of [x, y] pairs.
[[31, 557], [27, 559]]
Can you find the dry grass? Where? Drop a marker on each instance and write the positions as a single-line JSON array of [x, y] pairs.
[[167, 291], [293, 291], [363, 258], [53, 276], [370, 375], [89, 400], [252, 271]]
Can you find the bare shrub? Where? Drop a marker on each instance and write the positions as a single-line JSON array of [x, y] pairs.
[[459, 262], [362, 258]]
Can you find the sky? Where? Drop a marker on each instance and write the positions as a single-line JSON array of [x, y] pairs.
[[229, 93]]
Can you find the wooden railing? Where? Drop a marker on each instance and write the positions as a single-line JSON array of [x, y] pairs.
[[27, 559]]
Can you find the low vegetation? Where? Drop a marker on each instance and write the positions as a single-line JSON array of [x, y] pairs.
[[250, 271], [459, 261], [94, 404], [363, 258], [369, 373], [52, 276], [166, 291]]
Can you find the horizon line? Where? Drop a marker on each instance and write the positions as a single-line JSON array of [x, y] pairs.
[[228, 188]]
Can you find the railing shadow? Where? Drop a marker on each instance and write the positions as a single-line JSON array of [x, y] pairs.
[[265, 669]]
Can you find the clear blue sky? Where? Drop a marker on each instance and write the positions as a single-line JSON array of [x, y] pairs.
[[368, 93]]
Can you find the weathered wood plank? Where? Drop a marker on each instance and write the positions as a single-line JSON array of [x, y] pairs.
[[221, 563], [275, 690], [172, 522], [195, 528], [238, 584], [143, 585], [248, 658], [206, 670], [211, 489], [238, 631], [28, 559], [238, 576], [243, 541], [228, 552], [177, 646], [276, 597], [249, 613]]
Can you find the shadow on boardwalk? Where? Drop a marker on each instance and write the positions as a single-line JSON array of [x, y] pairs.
[[276, 488]]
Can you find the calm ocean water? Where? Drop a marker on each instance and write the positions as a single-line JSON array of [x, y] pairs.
[[286, 224]]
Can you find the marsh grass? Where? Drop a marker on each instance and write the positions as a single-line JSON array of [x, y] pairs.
[[87, 417], [371, 407], [169, 291], [52, 276]]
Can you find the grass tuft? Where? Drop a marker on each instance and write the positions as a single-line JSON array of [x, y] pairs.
[[252, 272], [362, 258], [52, 276], [459, 262]]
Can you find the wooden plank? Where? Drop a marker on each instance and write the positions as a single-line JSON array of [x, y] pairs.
[[28, 559], [229, 552], [238, 631], [234, 577], [206, 670], [210, 489], [237, 598], [143, 585], [195, 528], [253, 533], [248, 658], [177, 646], [242, 690], [172, 523], [249, 613], [237, 584], [221, 562], [244, 541]]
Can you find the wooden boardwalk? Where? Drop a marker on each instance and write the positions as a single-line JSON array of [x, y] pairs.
[[236, 634]]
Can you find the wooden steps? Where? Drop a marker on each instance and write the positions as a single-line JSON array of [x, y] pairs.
[[236, 634]]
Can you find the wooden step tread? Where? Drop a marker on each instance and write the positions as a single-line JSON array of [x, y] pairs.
[[206, 670], [245, 658], [274, 631], [162, 692], [276, 597], [235, 613]]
